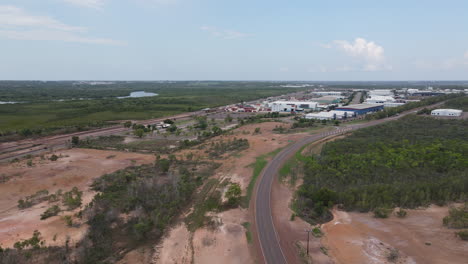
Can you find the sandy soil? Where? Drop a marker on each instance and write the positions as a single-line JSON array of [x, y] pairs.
[[77, 167], [420, 238], [226, 244]]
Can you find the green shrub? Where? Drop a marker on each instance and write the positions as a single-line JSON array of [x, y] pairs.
[[53, 157], [68, 220], [51, 211], [382, 212], [72, 199], [34, 242], [233, 194], [463, 235], [317, 232], [401, 213], [457, 218]]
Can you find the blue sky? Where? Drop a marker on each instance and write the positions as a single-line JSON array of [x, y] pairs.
[[233, 40]]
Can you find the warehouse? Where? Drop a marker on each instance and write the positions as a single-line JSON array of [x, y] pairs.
[[381, 92], [378, 99], [292, 106], [328, 93], [331, 115], [446, 112], [361, 109]]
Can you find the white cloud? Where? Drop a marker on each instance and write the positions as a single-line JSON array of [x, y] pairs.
[[11, 16], [15, 23], [96, 4], [284, 69], [224, 34], [52, 35], [368, 51], [466, 55]]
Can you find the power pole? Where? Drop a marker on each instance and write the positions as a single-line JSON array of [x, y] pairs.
[[308, 236]]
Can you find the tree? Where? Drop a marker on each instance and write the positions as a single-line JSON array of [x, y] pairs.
[[201, 123], [128, 124], [217, 131], [75, 141], [228, 118], [168, 121], [163, 164], [172, 128], [257, 130], [233, 194], [139, 132]]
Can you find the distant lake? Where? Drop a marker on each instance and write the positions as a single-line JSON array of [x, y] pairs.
[[2, 102], [138, 94]]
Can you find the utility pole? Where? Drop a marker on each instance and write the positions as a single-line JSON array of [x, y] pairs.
[[308, 236]]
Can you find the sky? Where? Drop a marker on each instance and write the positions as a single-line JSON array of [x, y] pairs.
[[336, 40]]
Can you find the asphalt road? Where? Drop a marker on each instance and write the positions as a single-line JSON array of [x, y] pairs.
[[267, 236]]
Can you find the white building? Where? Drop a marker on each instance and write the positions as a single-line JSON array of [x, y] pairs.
[[324, 93], [380, 92], [378, 99], [392, 104], [292, 106], [446, 112], [330, 115]]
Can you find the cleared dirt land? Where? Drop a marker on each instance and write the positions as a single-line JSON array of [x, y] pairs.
[[420, 238], [74, 168]]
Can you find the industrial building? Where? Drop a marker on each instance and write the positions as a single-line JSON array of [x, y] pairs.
[[380, 92], [331, 115], [328, 93], [446, 112], [361, 109], [292, 106], [379, 99]]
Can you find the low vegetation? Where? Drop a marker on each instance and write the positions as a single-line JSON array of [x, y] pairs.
[[149, 196], [51, 211], [218, 148], [412, 162], [457, 218], [43, 113]]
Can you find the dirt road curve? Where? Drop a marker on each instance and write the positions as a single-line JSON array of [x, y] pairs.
[[267, 237]]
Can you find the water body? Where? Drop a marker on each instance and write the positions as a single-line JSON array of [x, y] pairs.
[[138, 94], [3, 102]]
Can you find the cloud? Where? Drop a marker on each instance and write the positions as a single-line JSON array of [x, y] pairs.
[[51, 35], [11, 16], [15, 23], [96, 4], [284, 69], [371, 54], [445, 64], [224, 34]]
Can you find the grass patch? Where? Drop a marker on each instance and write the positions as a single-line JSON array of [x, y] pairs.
[[258, 165], [248, 234], [206, 200]]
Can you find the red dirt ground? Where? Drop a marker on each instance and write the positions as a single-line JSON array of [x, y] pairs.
[[77, 167]]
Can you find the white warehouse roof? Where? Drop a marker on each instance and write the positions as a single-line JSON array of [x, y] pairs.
[[446, 112]]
